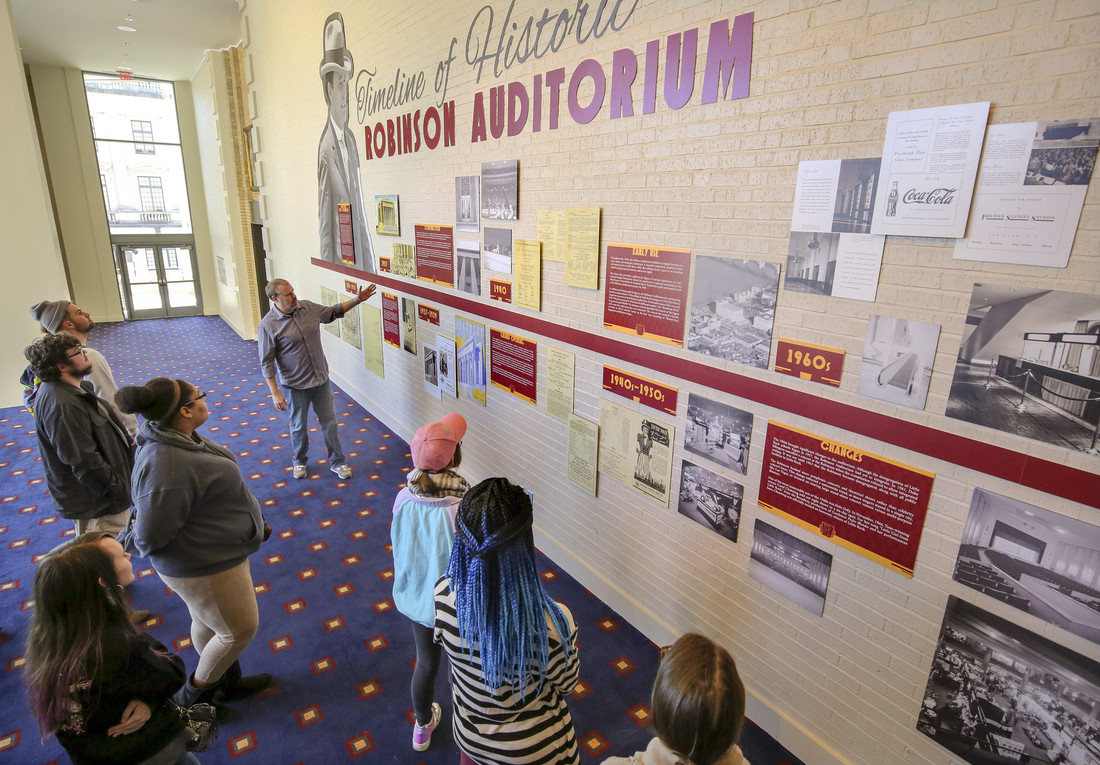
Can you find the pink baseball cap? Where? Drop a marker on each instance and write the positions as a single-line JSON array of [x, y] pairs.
[[433, 446]]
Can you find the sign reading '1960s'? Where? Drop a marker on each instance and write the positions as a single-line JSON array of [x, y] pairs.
[[817, 363]]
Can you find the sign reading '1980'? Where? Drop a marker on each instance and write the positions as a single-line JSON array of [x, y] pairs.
[[652, 394]]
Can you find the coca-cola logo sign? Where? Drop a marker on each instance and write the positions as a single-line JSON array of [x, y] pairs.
[[933, 197]]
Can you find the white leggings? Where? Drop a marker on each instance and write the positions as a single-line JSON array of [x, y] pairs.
[[224, 617]]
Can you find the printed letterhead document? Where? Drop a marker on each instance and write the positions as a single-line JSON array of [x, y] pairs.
[[929, 165], [1030, 192]]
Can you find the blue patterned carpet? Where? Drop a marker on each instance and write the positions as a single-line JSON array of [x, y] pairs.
[[341, 653]]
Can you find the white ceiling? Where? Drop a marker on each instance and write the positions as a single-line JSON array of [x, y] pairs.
[[170, 42]]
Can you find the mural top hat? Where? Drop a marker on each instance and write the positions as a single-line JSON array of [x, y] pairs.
[[337, 56]]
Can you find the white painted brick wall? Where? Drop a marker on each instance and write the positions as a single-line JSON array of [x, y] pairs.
[[719, 180]]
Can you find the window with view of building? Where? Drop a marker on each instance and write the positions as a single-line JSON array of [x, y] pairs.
[[151, 192], [142, 131], [137, 143]]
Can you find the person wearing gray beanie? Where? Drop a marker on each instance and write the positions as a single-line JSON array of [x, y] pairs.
[[63, 316], [51, 314]]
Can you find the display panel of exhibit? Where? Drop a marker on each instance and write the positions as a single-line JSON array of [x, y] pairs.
[[804, 362]]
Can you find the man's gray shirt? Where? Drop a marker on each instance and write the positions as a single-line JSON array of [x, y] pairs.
[[290, 344]]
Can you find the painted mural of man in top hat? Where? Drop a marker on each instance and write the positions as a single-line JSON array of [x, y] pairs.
[[337, 157]]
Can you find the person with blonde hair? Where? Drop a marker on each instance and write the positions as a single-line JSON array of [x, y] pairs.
[[697, 707]]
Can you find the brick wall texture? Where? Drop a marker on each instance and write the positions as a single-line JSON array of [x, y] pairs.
[[717, 179]]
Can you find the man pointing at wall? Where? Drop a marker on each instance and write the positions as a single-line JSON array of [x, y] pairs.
[[290, 345]]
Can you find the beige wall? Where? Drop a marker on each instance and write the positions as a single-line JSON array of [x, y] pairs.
[[74, 175], [216, 93], [719, 180], [30, 250]]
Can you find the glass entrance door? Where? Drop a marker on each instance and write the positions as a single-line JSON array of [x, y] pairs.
[[158, 280]]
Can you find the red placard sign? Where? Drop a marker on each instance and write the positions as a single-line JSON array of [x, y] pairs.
[[384, 264], [391, 320], [817, 363], [347, 242], [866, 503], [513, 363], [649, 392], [350, 286], [427, 313], [646, 291], [435, 258], [500, 290]]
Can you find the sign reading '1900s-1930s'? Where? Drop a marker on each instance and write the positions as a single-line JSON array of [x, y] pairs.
[[869, 504]]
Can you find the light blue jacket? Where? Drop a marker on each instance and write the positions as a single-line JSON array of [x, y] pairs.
[[422, 531]]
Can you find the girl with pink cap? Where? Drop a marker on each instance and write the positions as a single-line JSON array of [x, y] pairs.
[[422, 532]]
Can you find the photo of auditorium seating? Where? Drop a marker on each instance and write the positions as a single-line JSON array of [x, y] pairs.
[[998, 693], [795, 569], [1040, 562]]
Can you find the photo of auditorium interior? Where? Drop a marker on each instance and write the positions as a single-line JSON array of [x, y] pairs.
[[998, 693], [1037, 561], [796, 570]]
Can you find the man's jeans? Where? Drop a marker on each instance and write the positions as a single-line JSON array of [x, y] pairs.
[[298, 402]]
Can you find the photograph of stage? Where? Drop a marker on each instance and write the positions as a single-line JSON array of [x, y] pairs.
[[796, 570], [998, 693], [1040, 562]]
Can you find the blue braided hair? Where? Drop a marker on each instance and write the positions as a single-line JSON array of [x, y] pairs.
[[499, 597]]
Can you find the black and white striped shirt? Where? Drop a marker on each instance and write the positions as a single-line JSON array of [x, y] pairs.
[[504, 727]]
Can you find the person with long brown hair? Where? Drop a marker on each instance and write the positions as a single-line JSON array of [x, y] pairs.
[[94, 681], [196, 520], [698, 708]]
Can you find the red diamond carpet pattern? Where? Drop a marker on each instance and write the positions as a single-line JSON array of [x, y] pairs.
[[340, 652]]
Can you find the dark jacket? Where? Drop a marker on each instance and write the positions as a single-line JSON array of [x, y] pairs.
[[134, 667], [86, 453], [195, 515]]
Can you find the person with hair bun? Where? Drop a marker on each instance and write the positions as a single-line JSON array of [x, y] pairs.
[[512, 648], [698, 708], [197, 522], [422, 531], [94, 681]]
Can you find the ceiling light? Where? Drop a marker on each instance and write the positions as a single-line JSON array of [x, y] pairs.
[[127, 24]]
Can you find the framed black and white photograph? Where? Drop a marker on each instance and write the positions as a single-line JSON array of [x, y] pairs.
[[855, 195], [1029, 364], [1040, 562], [711, 500], [500, 190], [408, 325], [498, 249], [811, 262], [718, 432], [999, 693], [733, 309], [795, 569], [468, 277], [897, 360], [467, 203]]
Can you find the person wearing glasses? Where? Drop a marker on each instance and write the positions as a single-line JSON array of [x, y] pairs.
[[86, 453], [196, 520], [62, 316]]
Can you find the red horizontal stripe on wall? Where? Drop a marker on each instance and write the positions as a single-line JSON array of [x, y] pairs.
[[1035, 473]]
